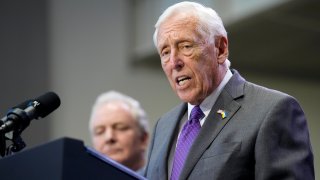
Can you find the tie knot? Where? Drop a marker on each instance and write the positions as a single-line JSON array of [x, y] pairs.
[[196, 113]]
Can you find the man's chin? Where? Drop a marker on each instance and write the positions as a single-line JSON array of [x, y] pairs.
[[113, 154], [185, 97], [116, 158]]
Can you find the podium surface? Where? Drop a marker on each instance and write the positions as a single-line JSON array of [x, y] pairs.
[[63, 159]]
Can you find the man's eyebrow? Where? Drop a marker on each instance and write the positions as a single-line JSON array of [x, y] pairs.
[[162, 46], [185, 41]]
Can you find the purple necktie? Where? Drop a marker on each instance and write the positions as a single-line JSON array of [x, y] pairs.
[[188, 134]]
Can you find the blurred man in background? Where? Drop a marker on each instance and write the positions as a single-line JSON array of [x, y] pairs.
[[119, 129]]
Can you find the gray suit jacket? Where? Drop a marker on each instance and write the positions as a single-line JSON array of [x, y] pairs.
[[264, 136]]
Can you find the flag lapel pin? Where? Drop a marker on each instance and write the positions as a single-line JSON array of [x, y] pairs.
[[223, 113]]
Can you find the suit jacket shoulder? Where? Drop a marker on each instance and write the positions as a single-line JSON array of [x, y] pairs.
[[264, 135]]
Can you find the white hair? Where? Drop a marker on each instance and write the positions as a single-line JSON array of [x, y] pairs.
[[209, 22], [134, 108]]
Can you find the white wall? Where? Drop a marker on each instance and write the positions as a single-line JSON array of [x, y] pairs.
[[89, 55]]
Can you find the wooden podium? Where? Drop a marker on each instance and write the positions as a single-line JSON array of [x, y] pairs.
[[63, 159]]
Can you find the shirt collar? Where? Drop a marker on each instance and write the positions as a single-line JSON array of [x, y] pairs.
[[209, 101]]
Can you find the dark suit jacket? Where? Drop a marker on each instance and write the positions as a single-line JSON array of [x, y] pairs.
[[264, 136]]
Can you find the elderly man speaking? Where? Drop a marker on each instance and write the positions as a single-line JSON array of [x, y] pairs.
[[226, 128]]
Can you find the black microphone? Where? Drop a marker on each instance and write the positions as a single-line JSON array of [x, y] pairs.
[[19, 117]]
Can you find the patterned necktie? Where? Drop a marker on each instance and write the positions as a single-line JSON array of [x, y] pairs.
[[188, 134]]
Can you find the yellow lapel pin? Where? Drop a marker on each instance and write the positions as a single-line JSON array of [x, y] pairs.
[[222, 113]]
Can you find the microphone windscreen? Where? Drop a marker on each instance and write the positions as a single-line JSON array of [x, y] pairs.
[[48, 103]]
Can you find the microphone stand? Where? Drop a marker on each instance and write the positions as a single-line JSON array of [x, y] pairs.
[[14, 136], [17, 142]]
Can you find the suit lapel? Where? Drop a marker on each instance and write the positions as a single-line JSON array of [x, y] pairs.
[[214, 122], [169, 128]]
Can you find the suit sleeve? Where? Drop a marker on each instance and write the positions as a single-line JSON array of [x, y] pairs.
[[283, 148]]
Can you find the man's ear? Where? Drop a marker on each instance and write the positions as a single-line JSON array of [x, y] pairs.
[[145, 139], [221, 44]]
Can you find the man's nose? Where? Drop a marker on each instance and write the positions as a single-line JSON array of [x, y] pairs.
[[176, 60], [110, 135]]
